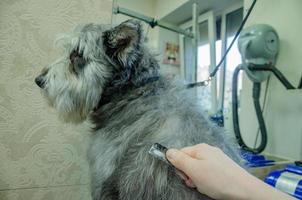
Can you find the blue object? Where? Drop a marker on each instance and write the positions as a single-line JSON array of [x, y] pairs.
[[255, 160], [218, 119], [288, 180]]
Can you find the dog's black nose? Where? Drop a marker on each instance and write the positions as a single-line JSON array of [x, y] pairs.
[[40, 81]]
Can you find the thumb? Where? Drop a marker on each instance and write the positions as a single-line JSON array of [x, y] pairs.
[[180, 160]]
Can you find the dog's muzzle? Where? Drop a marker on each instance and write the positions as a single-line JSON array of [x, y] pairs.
[[40, 81]]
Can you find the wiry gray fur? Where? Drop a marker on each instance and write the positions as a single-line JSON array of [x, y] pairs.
[[110, 77]]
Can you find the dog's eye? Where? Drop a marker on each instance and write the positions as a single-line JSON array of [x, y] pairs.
[[77, 60]]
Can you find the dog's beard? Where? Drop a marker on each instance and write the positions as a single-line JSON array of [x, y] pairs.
[[70, 106]]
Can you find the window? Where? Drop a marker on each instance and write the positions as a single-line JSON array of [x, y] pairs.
[[233, 21], [220, 93], [203, 68]]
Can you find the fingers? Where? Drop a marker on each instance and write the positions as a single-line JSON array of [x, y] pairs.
[[182, 175], [191, 151], [181, 160], [186, 179], [197, 151], [190, 183]]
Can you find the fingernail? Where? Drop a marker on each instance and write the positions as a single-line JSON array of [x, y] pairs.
[[171, 153]]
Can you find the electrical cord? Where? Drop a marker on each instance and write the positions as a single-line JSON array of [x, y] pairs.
[[262, 127], [263, 108], [256, 97]]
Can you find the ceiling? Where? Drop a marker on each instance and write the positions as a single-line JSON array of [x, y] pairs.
[[184, 12]]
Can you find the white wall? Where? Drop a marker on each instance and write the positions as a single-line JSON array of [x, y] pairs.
[[283, 113], [166, 36], [164, 7]]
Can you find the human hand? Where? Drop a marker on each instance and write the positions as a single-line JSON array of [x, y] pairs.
[[211, 171]]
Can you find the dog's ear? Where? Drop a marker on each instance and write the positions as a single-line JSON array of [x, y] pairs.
[[122, 40]]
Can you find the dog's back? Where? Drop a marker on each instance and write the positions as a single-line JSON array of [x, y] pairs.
[[126, 128]]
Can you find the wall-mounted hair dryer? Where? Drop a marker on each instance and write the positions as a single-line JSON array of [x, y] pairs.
[[259, 47]]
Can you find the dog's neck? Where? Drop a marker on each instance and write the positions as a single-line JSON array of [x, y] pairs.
[[136, 75], [112, 92]]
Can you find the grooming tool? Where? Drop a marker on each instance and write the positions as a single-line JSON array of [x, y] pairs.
[[159, 151]]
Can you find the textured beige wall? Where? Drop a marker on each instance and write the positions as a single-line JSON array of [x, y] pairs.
[[283, 113], [40, 157]]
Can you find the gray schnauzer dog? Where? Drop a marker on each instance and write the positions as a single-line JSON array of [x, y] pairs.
[[108, 76]]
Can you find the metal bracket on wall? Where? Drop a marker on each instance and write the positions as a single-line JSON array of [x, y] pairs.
[[152, 21], [278, 75]]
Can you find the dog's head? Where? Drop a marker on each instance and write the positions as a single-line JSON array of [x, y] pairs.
[[93, 56]]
